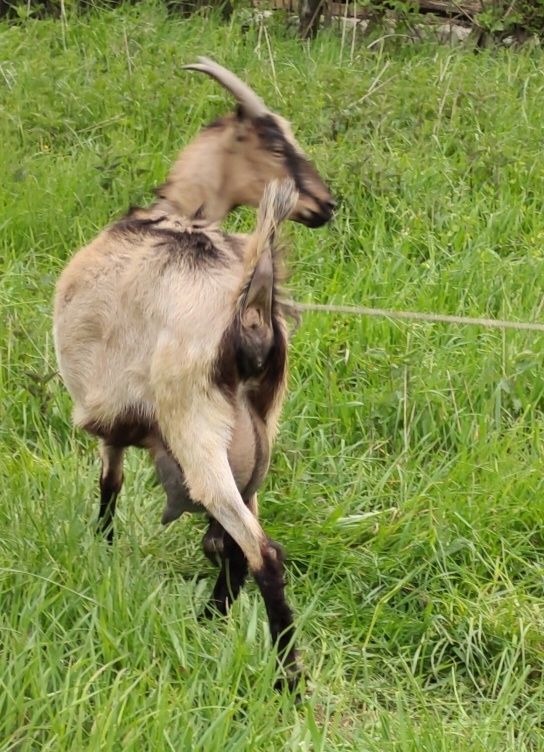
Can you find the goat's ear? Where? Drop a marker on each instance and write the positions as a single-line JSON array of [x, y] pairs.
[[257, 306]]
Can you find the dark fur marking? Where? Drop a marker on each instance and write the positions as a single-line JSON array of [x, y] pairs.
[[225, 371], [109, 490], [231, 577], [269, 131], [128, 430], [247, 358], [184, 241], [300, 169], [304, 174], [233, 365], [280, 617], [262, 396], [193, 246], [272, 136]]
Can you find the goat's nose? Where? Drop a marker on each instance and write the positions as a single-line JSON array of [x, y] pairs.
[[328, 207]]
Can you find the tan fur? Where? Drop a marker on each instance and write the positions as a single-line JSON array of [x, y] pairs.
[[113, 305], [230, 163], [135, 338]]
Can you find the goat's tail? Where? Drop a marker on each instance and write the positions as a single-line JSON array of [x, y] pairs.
[[278, 201]]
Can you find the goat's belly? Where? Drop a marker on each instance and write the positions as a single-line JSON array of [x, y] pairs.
[[249, 451]]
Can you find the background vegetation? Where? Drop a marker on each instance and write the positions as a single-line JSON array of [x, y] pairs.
[[407, 481], [491, 21]]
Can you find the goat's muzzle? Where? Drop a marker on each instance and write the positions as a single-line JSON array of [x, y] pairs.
[[315, 217]]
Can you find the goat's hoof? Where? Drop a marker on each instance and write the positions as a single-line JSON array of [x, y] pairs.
[[170, 514], [212, 610], [290, 680], [105, 533]]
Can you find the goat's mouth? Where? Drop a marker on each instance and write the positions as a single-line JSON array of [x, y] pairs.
[[315, 217]]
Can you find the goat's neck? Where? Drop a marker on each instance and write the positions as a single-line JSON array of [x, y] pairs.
[[197, 185]]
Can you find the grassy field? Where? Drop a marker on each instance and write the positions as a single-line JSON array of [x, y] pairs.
[[406, 484]]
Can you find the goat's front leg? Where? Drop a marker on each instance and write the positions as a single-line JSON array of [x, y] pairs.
[[231, 579], [111, 480], [197, 425]]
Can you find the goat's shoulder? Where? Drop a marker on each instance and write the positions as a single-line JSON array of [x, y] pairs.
[[177, 240], [85, 268]]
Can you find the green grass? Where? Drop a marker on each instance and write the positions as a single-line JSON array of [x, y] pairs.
[[406, 484]]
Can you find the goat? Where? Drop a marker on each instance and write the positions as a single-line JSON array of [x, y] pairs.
[[152, 287], [173, 338]]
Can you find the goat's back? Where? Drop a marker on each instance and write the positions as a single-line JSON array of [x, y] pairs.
[[143, 279]]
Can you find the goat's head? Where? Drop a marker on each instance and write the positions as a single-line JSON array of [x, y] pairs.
[[231, 161]]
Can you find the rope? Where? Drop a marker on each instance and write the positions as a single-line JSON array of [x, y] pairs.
[[433, 318]]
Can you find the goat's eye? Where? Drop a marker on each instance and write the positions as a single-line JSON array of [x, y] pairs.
[[275, 147]]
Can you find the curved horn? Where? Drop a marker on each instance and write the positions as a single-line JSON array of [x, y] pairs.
[[246, 97]]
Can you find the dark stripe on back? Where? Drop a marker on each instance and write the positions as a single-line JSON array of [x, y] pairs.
[[193, 247]]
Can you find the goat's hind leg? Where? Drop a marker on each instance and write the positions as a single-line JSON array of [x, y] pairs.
[[218, 546], [234, 567], [265, 559], [203, 456], [111, 480]]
